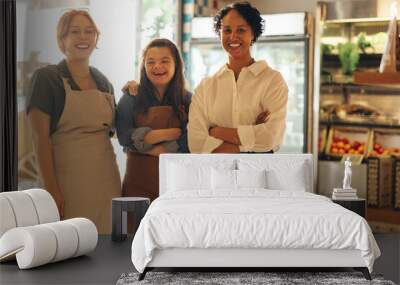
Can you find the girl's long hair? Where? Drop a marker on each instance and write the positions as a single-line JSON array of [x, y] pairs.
[[175, 92]]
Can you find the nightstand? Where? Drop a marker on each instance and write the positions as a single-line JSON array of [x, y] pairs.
[[358, 205], [120, 207]]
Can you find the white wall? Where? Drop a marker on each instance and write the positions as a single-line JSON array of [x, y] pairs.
[[285, 6], [37, 22], [116, 54], [275, 6]]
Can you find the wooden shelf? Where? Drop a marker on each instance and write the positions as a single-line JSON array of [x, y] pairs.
[[364, 89], [387, 215], [366, 60], [337, 122], [372, 78]]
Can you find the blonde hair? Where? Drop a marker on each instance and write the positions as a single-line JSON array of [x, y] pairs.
[[65, 22]]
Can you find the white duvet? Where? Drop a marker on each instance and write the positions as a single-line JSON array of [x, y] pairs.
[[252, 218]]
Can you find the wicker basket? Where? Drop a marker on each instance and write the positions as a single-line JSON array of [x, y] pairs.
[[379, 181], [385, 142], [396, 184], [348, 140]]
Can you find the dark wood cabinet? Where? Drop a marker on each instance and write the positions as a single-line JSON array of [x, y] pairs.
[[358, 206]]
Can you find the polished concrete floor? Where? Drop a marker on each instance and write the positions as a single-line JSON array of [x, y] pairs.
[[110, 260], [103, 266]]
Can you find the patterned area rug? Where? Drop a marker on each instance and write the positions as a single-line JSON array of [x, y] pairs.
[[242, 278]]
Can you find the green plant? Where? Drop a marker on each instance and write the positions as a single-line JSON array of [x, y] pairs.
[[349, 57], [327, 49], [362, 42]]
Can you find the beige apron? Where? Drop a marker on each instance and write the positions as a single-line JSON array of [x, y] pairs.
[[84, 159]]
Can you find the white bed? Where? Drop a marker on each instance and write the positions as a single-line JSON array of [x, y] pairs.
[[247, 210]]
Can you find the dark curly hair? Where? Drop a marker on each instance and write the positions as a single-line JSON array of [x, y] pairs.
[[248, 12]]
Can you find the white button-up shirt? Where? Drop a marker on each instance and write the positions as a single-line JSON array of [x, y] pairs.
[[222, 101]]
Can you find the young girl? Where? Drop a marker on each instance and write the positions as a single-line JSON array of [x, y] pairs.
[[154, 121]]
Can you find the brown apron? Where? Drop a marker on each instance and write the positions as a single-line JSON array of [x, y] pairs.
[[84, 159], [141, 176]]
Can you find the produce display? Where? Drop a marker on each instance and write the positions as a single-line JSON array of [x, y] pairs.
[[378, 150], [342, 145], [360, 141], [385, 143]]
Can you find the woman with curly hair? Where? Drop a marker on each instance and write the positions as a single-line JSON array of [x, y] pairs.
[[242, 107]]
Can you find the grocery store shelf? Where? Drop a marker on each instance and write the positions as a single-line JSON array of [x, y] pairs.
[[366, 60], [387, 215], [351, 88], [338, 158], [358, 124]]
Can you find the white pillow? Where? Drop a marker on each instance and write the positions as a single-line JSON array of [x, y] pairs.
[[251, 178], [236, 179], [223, 179], [188, 176], [281, 174], [293, 179]]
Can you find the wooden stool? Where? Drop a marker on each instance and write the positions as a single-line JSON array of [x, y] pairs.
[[120, 207]]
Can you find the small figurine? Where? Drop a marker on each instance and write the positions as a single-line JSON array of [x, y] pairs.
[[347, 174]]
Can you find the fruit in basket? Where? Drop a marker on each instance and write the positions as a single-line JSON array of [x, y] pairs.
[[380, 150], [356, 144], [342, 146], [394, 150]]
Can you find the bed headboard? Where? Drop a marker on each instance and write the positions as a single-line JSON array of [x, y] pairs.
[[212, 159]]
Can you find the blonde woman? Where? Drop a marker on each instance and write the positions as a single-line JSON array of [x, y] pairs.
[[71, 110]]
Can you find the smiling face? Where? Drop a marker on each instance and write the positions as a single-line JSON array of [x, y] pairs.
[[236, 35], [159, 66], [80, 39]]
